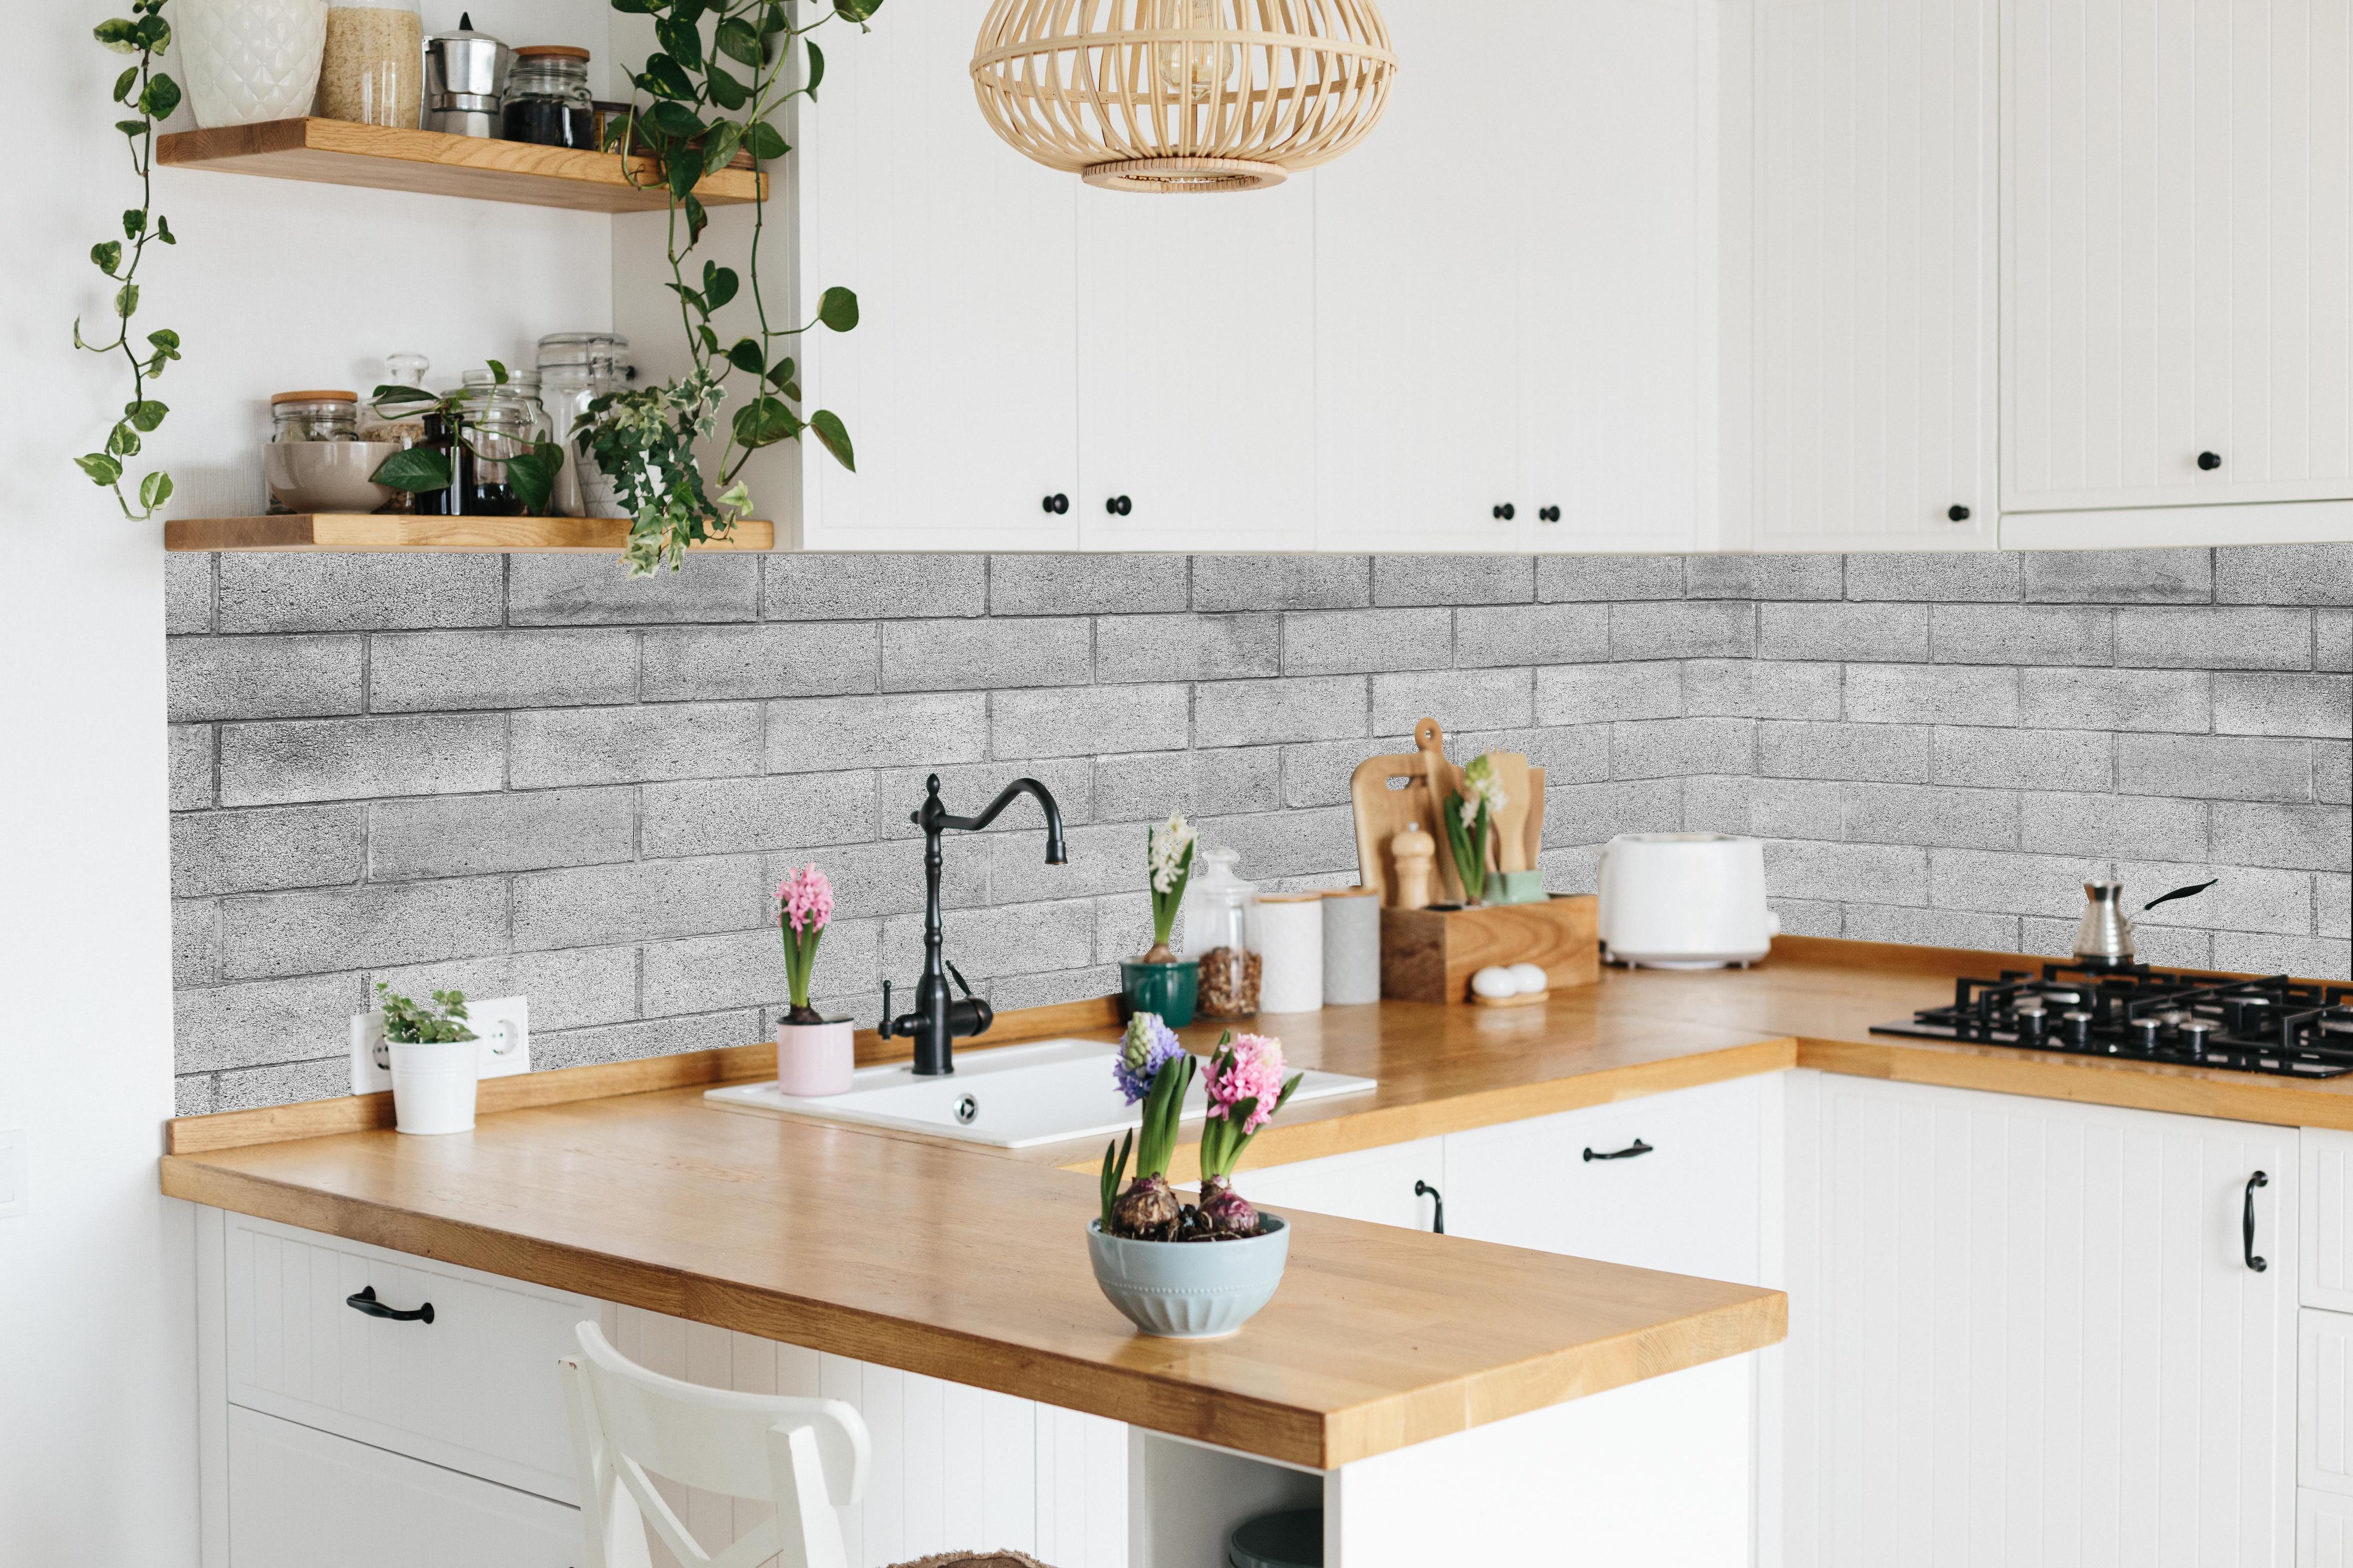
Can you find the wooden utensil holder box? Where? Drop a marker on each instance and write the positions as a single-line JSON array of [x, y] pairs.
[[1429, 955]]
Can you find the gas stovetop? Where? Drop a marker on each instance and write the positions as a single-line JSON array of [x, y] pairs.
[[2138, 1014]]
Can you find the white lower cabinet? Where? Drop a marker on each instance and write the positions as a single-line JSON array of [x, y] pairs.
[[2022, 1330], [1379, 1186], [2323, 1531], [300, 1498]]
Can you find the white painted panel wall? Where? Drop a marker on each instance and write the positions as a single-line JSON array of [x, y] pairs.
[[1873, 249], [2021, 1328], [2179, 228]]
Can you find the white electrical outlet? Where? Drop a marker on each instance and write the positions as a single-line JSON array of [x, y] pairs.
[[501, 1028], [14, 1192]]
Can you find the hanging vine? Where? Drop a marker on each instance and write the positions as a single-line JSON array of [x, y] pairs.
[[151, 96], [694, 113]]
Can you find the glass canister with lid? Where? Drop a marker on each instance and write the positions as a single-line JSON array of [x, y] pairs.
[[373, 68], [314, 416], [498, 420], [575, 370], [547, 98], [1221, 931]]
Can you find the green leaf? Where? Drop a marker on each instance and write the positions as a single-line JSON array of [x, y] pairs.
[[746, 356], [710, 338], [773, 20], [675, 119], [134, 222], [167, 341], [719, 284], [498, 371], [857, 10], [682, 172], [122, 440], [831, 430], [106, 258], [126, 300], [792, 390], [532, 474], [155, 490], [101, 468], [719, 151], [164, 231], [782, 372], [162, 97], [740, 42], [664, 77], [681, 41], [135, 129], [724, 89], [766, 141], [816, 67], [124, 83], [119, 34], [414, 469], [763, 422], [145, 413], [697, 219], [837, 309], [152, 33]]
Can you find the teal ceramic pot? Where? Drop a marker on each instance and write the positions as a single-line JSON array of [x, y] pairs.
[[1190, 1289], [1167, 989]]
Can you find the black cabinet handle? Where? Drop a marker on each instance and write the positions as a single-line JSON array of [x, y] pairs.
[[1119, 506], [1549, 513], [2209, 461], [2247, 1225], [1628, 1152], [1957, 513], [1057, 504], [1507, 512], [366, 1301], [1438, 1221]]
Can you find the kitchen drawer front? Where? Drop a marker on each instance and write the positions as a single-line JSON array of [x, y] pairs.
[[1375, 1185], [2324, 1401], [2326, 1276], [2323, 1531], [1689, 1204], [301, 1499], [475, 1389]]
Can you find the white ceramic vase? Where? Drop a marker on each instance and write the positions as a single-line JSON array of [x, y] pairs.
[[246, 62], [433, 1085], [815, 1060]]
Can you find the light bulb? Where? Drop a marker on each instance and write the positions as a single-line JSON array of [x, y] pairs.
[[1194, 70]]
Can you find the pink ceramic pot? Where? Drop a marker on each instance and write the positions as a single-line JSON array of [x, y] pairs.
[[815, 1059]]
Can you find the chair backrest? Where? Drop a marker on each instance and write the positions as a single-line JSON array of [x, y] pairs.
[[808, 1456]]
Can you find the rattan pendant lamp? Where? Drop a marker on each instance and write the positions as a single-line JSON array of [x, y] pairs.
[[1173, 96]]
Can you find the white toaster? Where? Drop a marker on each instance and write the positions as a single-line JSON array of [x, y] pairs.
[[1684, 901]]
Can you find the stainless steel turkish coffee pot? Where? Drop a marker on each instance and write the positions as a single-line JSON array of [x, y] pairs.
[[2103, 936], [465, 74]]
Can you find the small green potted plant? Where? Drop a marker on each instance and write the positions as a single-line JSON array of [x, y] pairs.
[[434, 1065], [1142, 1241], [1160, 982], [814, 1055]]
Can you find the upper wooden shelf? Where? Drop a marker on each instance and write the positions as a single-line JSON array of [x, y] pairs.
[[339, 153], [372, 532]]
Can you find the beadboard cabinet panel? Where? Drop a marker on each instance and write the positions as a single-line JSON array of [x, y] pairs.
[[2179, 239], [2323, 1531], [2327, 1277], [2025, 1331], [1874, 405], [2324, 1407]]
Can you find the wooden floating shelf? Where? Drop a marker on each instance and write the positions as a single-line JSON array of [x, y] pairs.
[[339, 153], [369, 532]]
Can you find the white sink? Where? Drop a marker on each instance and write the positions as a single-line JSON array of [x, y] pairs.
[[1013, 1096]]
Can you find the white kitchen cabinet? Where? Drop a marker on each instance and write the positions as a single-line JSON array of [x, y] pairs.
[[300, 1498], [2021, 1327], [2323, 1531], [1668, 1180], [2326, 1165], [1872, 404], [2178, 277], [1373, 1184], [2324, 1401]]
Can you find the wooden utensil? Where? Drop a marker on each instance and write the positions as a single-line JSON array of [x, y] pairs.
[[1512, 823], [1391, 794], [1534, 837]]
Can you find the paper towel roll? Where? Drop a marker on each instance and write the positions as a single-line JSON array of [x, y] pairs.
[[1290, 948], [1352, 947]]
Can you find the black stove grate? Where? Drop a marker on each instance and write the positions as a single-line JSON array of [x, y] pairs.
[[2289, 1028]]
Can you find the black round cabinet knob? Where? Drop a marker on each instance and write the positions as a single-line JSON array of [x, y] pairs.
[[1957, 513], [1549, 513], [2209, 461], [1057, 504], [1119, 506], [1505, 512]]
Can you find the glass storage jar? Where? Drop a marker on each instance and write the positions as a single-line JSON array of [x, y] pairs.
[[395, 426], [373, 69], [497, 422], [575, 370], [547, 101], [1221, 931], [314, 416]]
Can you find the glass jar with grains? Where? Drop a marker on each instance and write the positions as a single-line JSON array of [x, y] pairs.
[[547, 101], [314, 416], [373, 69], [1221, 931]]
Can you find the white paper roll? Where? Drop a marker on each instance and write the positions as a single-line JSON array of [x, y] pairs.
[[1352, 948], [1291, 949]]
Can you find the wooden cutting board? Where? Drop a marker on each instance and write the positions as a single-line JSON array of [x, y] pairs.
[[1393, 793]]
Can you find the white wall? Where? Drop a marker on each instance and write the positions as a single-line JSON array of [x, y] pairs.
[[273, 284]]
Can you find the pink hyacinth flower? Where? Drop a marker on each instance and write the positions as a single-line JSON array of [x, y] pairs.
[[1255, 1072], [807, 900]]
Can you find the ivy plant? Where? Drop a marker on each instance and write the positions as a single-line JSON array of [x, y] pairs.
[[150, 95], [710, 90]]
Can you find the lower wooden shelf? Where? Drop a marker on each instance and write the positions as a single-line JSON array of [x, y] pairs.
[[364, 532]]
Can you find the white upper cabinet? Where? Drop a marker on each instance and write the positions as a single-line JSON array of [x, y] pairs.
[[958, 384], [2178, 261], [1873, 397]]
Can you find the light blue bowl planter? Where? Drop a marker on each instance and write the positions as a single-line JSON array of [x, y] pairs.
[[1190, 1289]]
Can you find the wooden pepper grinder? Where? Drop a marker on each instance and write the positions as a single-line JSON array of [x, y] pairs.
[[1416, 854]]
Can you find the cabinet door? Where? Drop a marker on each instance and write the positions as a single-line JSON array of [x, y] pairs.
[[958, 384], [1375, 1185], [2178, 220], [1668, 1180], [1874, 256], [1197, 348], [298, 1498], [2023, 1331]]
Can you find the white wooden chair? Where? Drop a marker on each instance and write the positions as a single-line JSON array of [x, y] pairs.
[[808, 1456]]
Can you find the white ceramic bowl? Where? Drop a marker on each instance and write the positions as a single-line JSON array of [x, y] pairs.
[[327, 475], [1190, 1289]]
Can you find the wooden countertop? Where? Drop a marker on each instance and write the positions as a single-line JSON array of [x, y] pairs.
[[621, 1181]]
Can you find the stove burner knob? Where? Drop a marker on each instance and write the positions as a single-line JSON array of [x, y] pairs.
[[2144, 1034], [2195, 1032], [2030, 1022], [2079, 1027]]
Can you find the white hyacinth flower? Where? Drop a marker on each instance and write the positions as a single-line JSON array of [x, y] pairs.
[[1168, 846]]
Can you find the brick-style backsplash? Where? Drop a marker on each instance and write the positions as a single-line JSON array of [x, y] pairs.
[[531, 773]]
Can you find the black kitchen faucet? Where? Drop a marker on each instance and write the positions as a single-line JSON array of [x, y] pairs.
[[938, 1019]]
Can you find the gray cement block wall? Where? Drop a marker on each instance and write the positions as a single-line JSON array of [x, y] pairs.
[[530, 773]]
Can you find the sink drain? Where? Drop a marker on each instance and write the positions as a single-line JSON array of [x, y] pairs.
[[967, 1110]]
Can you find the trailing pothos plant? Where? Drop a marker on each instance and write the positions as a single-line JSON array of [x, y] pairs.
[[707, 93], [151, 96], [429, 466]]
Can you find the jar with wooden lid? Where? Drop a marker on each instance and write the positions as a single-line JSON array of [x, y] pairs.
[[548, 101], [314, 416], [373, 69], [1221, 931]]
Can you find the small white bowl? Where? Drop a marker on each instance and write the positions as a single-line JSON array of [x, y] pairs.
[[327, 475]]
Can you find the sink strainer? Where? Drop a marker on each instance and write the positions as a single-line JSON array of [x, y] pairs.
[[967, 1110]]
